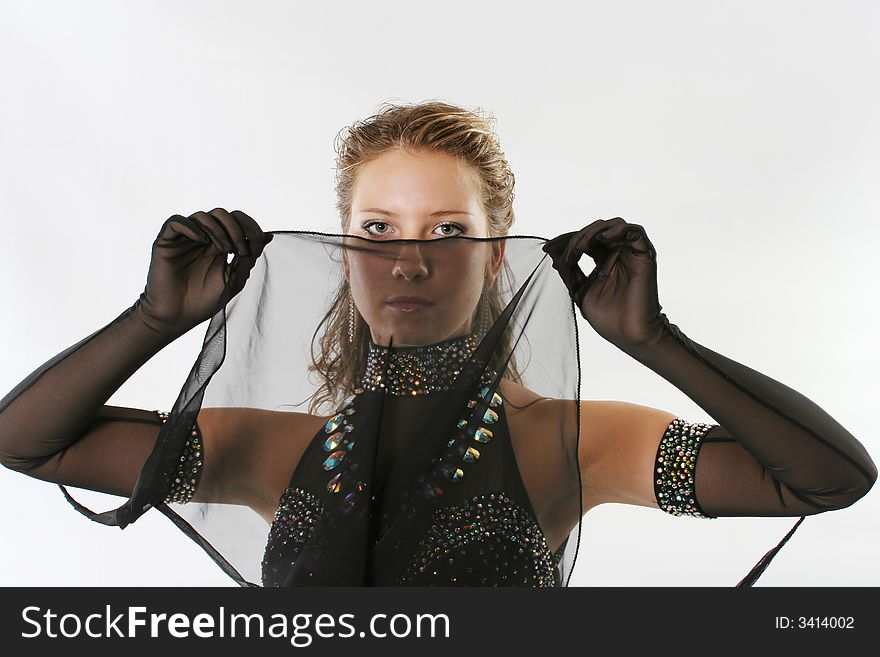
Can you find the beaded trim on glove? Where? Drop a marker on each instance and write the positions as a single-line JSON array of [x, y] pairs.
[[189, 468], [675, 465]]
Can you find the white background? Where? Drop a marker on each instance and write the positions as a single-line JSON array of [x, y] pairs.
[[743, 136]]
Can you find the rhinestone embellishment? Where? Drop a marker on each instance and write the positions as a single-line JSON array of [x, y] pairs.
[[189, 467], [295, 519], [419, 370], [674, 468], [486, 540]]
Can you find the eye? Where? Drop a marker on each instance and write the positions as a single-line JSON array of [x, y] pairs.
[[449, 224], [370, 224]]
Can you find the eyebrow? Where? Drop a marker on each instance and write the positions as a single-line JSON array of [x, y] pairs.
[[441, 213]]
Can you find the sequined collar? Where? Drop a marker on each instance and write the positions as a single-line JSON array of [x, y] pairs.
[[418, 370]]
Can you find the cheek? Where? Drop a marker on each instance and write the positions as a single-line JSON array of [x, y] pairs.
[[365, 269], [463, 277], [477, 266], [359, 279]]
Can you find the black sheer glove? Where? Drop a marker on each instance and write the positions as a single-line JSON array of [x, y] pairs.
[[773, 452], [808, 462], [55, 426]]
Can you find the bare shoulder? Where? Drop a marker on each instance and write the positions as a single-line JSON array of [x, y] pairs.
[[518, 398], [521, 399], [250, 453]]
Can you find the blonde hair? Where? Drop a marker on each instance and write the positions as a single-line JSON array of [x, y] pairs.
[[431, 126]]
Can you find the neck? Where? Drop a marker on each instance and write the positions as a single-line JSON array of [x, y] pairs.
[[417, 370]]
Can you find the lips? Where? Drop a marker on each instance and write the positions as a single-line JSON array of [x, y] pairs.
[[409, 304]]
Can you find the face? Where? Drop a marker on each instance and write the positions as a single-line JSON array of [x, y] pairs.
[[425, 197]]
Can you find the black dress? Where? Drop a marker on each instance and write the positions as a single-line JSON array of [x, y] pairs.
[[490, 538]]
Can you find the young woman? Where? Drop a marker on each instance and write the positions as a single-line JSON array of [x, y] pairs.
[[415, 309]]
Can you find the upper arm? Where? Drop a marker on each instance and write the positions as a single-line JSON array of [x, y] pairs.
[[251, 453], [617, 448]]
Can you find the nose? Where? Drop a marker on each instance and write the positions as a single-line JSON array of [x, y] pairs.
[[409, 263]]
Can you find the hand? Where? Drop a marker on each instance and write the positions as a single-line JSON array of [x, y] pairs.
[[619, 297], [189, 279]]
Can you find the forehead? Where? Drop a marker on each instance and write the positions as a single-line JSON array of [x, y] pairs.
[[414, 178]]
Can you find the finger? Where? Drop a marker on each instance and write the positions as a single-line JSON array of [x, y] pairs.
[[212, 228], [583, 239], [572, 277], [567, 249], [616, 237], [563, 238], [257, 239], [556, 246], [639, 243], [615, 229], [177, 226], [596, 240], [629, 237], [571, 274], [578, 284], [238, 272], [234, 233]]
